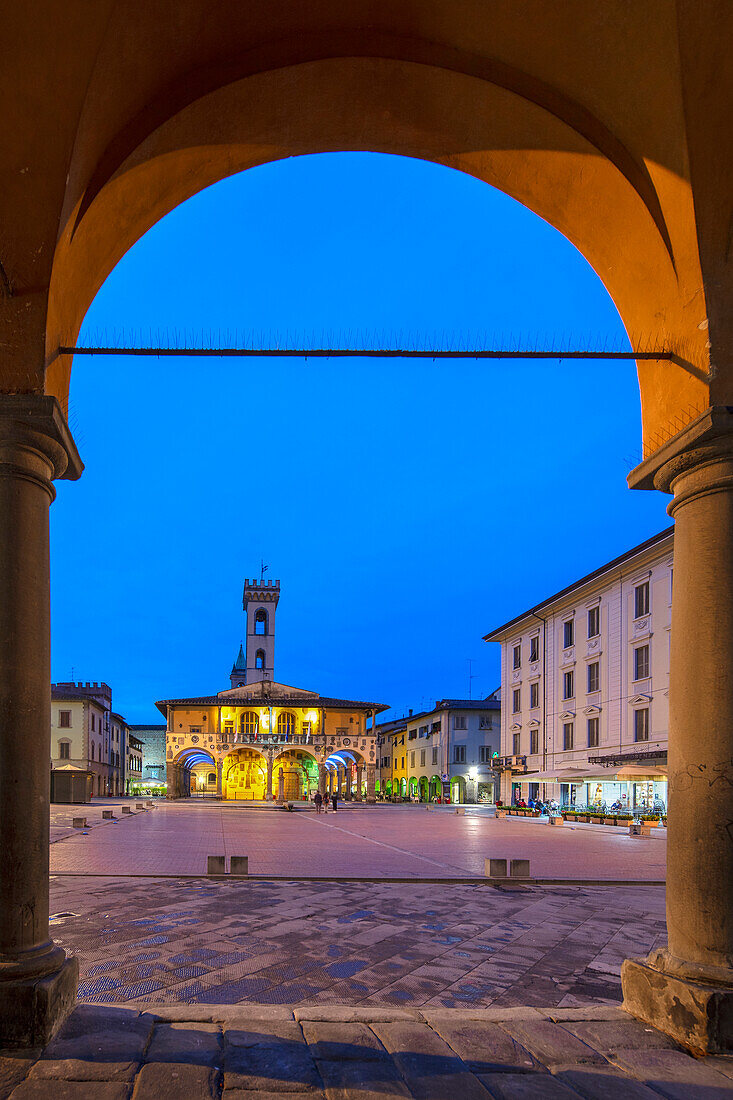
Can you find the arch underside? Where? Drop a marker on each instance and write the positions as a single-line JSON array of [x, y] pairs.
[[245, 774], [631, 218]]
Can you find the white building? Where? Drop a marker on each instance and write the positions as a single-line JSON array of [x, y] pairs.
[[85, 734], [585, 682]]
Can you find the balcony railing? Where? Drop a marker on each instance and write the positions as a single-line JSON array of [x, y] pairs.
[[268, 740]]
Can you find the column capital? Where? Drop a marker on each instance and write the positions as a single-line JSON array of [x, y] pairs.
[[705, 444], [35, 441]]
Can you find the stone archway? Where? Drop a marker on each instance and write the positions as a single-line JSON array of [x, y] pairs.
[[605, 122], [299, 773], [244, 775]]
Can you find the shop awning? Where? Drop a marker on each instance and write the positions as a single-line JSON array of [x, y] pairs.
[[631, 772]]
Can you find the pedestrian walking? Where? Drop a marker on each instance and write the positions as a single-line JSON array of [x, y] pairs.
[[334, 802], [318, 801]]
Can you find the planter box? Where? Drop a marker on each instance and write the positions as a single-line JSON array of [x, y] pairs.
[[557, 821], [609, 821], [500, 813], [595, 819]]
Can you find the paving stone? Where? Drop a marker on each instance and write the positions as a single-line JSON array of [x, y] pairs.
[[674, 1074], [263, 1033], [427, 1063], [73, 1090], [332, 1042], [74, 1069], [199, 1044], [604, 1083], [586, 1012], [361, 1080], [176, 1081], [486, 1047], [14, 1067], [352, 1013], [721, 1064], [287, 1067], [551, 1044], [247, 1094], [494, 1013], [101, 1035], [607, 1036], [527, 1086]]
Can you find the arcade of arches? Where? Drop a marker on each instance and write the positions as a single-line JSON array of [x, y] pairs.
[[611, 121]]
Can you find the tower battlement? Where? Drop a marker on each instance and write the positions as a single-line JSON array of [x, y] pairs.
[[258, 663]]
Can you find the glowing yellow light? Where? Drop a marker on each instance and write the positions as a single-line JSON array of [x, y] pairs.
[[265, 719], [312, 716]]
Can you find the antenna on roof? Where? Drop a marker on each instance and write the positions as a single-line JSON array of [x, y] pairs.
[[471, 676]]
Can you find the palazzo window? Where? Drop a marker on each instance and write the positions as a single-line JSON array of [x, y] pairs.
[[64, 748], [435, 756], [568, 633], [534, 695], [592, 733], [641, 662], [412, 759], [594, 676], [459, 722], [594, 622], [286, 723], [568, 685], [641, 724], [568, 735], [517, 656], [516, 743], [422, 758], [641, 600], [534, 742], [261, 621], [516, 700], [249, 723], [64, 719], [534, 648], [459, 754], [484, 754]]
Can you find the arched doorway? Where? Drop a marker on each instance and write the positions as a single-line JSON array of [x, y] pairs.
[[300, 775], [436, 787], [423, 788], [458, 789]]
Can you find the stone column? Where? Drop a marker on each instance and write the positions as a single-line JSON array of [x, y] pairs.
[[323, 779], [280, 785], [37, 981], [219, 781], [686, 989], [170, 782], [349, 778], [339, 781], [268, 788], [359, 782], [371, 781]]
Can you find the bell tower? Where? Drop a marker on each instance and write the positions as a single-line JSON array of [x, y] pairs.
[[260, 600]]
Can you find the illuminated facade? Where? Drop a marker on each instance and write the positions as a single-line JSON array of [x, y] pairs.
[[261, 740], [269, 741]]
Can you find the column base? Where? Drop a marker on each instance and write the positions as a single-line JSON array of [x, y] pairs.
[[696, 1013], [32, 1010]]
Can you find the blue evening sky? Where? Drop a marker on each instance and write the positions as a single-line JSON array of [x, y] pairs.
[[407, 507]]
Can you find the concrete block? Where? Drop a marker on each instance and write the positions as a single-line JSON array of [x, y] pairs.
[[126, 810], [150, 803], [495, 868], [239, 865], [460, 810], [215, 865], [79, 822], [519, 868], [556, 821], [139, 806], [500, 814], [107, 815]]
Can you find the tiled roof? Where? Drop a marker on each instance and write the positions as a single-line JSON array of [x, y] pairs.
[[310, 701]]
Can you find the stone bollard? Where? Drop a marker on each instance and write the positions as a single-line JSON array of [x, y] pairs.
[[126, 810], [638, 829], [460, 810], [107, 815], [556, 821], [239, 865], [519, 868], [500, 814], [151, 804], [79, 823], [139, 806], [495, 868], [215, 865]]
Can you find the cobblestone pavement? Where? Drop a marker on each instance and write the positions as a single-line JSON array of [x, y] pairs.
[[358, 841], [107, 1053], [216, 942]]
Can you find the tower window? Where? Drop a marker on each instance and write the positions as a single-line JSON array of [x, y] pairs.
[[260, 658], [261, 621]]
